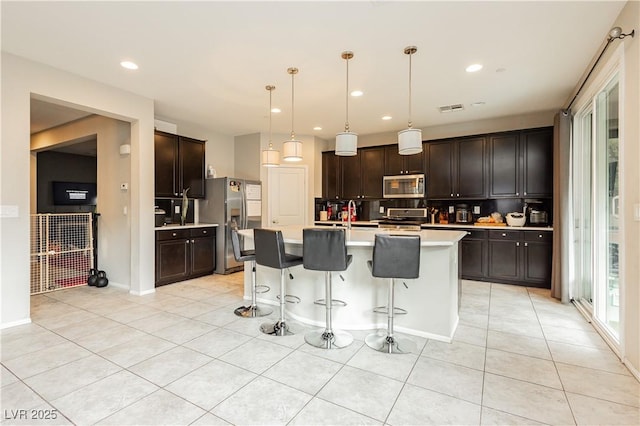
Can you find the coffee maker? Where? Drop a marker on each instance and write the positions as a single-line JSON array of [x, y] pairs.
[[536, 213]]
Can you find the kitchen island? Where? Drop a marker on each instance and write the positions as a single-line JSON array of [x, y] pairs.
[[431, 300]]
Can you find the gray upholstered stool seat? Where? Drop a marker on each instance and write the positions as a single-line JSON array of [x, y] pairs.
[[394, 256], [241, 255], [270, 252], [326, 250]]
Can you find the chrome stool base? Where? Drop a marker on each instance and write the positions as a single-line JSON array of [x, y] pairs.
[[390, 344], [278, 328], [322, 339], [252, 311]]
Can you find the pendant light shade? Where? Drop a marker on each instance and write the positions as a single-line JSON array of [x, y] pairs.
[[292, 149], [270, 157], [410, 139], [347, 141]]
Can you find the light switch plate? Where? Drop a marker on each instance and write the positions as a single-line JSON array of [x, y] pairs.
[[636, 212], [8, 211]]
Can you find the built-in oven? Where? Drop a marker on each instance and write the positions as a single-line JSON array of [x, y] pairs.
[[403, 186]]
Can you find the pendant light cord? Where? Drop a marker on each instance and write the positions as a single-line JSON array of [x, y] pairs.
[[346, 124], [292, 71], [410, 124], [270, 92]]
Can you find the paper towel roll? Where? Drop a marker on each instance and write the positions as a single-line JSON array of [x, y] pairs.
[[323, 215]]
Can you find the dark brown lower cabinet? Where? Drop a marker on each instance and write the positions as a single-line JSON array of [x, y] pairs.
[[473, 255], [507, 256], [182, 254]]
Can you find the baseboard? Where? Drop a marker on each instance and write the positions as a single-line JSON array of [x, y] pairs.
[[141, 293], [118, 285], [15, 323], [631, 368]]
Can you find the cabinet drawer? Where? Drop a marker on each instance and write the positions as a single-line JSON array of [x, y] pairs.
[[173, 234], [202, 232], [480, 234], [542, 236], [504, 235]]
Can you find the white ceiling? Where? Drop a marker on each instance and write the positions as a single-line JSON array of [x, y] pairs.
[[208, 62]]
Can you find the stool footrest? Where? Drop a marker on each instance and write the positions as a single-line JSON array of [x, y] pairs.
[[385, 310], [262, 289], [290, 298], [334, 302]]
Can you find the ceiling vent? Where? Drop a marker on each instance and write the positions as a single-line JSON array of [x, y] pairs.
[[451, 108]]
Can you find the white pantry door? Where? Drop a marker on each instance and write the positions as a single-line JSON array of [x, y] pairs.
[[287, 189]]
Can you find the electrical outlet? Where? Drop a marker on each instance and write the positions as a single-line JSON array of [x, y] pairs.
[[176, 209], [476, 209], [451, 209], [381, 210]]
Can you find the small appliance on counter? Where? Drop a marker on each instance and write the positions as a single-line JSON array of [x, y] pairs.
[[159, 216], [406, 219], [516, 219], [463, 214], [538, 217]]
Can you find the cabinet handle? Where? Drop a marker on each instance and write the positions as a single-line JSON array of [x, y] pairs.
[[193, 241], [539, 235], [526, 244], [173, 234], [517, 193], [518, 244], [451, 195], [204, 232], [504, 235], [468, 232], [187, 242], [457, 195], [524, 193]]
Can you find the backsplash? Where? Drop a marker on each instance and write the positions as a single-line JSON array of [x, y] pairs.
[[170, 205]]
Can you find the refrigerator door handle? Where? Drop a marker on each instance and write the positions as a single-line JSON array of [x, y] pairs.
[[244, 222]]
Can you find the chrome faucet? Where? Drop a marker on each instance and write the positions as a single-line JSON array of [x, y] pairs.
[[351, 202]]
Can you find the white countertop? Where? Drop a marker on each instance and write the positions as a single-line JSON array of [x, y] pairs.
[[372, 223], [186, 226], [364, 237]]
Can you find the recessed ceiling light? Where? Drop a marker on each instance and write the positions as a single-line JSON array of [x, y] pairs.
[[276, 110], [357, 93], [473, 68], [317, 128], [501, 70], [478, 104], [129, 65], [386, 117]]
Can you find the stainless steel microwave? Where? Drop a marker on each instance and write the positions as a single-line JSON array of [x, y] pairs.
[[403, 186]]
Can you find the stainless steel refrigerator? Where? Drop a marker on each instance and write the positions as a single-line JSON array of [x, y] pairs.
[[232, 204]]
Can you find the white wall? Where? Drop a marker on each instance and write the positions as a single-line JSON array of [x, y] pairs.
[[21, 79], [114, 239]]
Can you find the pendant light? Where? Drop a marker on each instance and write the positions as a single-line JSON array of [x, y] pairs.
[[347, 141], [292, 149], [410, 139], [270, 157]]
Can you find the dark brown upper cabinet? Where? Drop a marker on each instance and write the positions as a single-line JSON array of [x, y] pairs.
[[179, 164], [456, 169], [521, 164], [331, 176], [361, 175], [396, 164]]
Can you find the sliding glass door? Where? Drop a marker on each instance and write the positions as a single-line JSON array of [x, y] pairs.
[[596, 204]]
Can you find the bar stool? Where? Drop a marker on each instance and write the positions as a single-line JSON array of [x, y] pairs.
[[325, 250], [270, 252], [252, 310], [394, 256]]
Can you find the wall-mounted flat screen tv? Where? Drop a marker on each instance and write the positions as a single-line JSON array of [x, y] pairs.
[[74, 193]]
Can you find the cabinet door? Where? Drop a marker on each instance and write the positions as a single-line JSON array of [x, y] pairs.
[[192, 166], [537, 258], [172, 261], [202, 255], [372, 168], [504, 165], [504, 255], [330, 176], [471, 168], [473, 258], [166, 160], [350, 176], [414, 163], [393, 161], [537, 147], [440, 170]]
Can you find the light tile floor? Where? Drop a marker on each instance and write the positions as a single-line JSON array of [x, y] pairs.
[[180, 356]]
